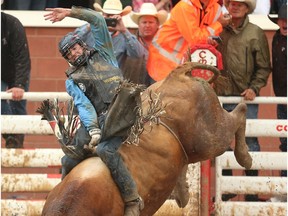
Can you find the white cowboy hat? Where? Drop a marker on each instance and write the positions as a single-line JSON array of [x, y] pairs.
[[149, 9], [250, 3], [113, 7]]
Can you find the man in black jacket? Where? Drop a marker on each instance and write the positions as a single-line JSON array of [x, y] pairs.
[[15, 72], [279, 68]]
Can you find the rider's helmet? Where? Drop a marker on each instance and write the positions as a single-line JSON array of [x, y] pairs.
[[69, 41]]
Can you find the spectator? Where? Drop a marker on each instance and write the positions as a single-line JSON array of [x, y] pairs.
[[190, 23], [149, 21], [159, 4], [92, 82], [15, 72], [279, 68], [129, 52], [246, 63]]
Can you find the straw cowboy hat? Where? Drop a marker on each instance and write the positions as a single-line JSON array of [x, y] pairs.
[[149, 9], [113, 7], [250, 3], [282, 14]]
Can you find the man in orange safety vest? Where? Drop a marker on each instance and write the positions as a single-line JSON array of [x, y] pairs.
[[191, 22]]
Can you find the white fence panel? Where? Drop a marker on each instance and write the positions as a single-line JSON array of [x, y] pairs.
[[21, 207], [38, 157], [32, 124], [63, 96], [29, 182], [252, 209], [251, 185]]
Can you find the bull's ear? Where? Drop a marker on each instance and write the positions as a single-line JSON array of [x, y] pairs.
[[189, 66]]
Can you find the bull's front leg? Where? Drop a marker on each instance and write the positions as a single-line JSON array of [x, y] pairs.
[[241, 149]]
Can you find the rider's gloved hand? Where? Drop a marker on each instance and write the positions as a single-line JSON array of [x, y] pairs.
[[95, 137]]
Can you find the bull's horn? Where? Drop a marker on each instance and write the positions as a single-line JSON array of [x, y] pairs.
[[189, 66]]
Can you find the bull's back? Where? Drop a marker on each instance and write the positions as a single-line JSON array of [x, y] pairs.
[[84, 191]]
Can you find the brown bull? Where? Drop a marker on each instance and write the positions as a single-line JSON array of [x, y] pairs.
[[194, 127]]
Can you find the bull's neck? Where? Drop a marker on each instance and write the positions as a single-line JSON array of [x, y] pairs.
[[173, 133]]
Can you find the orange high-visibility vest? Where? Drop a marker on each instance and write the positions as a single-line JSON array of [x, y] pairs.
[[188, 25]]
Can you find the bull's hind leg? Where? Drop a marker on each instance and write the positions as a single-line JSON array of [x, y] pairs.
[[181, 190], [241, 149]]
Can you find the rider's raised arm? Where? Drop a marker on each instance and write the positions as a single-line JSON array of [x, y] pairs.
[[103, 40]]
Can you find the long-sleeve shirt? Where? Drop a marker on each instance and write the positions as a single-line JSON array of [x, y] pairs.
[[246, 59], [188, 25], [93, 83], [124, 44]]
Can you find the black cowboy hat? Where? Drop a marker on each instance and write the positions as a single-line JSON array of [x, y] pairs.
[[282, 14]]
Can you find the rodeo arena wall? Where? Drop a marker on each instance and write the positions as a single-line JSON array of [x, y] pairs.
[[27, 175]]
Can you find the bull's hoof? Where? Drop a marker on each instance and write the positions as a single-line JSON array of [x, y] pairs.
[[183, 202], [248, 163], [181, 197], [244, 160]]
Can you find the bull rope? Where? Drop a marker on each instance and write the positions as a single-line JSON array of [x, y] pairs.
[[173, 133], [155, 111]]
